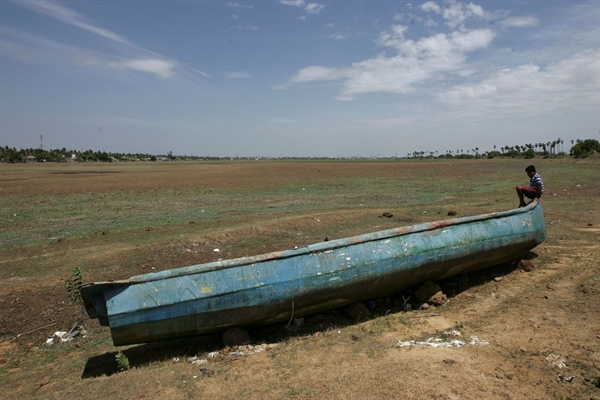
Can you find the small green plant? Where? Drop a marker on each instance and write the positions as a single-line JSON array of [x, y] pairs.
[[122, 361], [73, 286]]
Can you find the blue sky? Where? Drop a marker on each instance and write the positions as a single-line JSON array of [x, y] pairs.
[[297, 78]]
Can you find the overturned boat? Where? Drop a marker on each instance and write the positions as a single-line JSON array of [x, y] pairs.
[[275, 287]]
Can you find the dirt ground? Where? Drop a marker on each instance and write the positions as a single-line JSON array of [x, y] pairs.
[[529, 329]]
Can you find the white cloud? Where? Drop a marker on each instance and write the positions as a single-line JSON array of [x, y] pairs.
[[293, 3], [520, 22], [310, 8], [429, 23], [431, 6], [418, 62], [314, 8], [458, 13], [316, 73], [239, 75], [338, 36], [572, 83], [160, 68]]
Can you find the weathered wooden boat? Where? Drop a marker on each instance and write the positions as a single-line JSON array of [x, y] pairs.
[[274, 287]]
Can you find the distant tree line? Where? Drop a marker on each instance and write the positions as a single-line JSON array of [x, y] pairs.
[[13, 155], [579, 149]]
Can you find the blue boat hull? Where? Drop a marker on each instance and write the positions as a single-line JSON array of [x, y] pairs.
[[273, 287]]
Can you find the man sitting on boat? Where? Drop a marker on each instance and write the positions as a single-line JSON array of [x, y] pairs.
[[535, 189]]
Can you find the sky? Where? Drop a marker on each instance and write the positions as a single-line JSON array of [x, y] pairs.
[[297, 78]]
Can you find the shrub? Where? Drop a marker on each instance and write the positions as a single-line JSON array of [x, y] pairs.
[[585, 148]]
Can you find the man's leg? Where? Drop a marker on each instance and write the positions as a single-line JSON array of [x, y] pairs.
[[520, 194]]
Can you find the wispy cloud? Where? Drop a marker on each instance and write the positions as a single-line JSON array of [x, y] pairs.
[[34, 47], [239, 5], [68, 16], [338, 36], [520, 22], [28, 47], [161, 68], [252, 28], [197, 71], [309, 8], [238, 75]]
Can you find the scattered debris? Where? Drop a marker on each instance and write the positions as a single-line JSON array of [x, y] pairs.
[[59, 337], [556, 360], [242, 350], [196, 360], [564, 378], [440, 342], [65, 336]]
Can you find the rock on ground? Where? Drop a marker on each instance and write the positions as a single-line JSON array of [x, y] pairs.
[[431, 293]]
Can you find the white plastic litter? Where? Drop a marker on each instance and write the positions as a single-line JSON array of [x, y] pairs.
[[556, 360], [439, 342], [61, 337], [243, 350]]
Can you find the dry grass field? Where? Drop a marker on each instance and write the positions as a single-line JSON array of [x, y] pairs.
[[537, 327]]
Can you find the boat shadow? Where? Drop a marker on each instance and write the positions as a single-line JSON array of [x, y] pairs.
[[140, 355], [183, 350]]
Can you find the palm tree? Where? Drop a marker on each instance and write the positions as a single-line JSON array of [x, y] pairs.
[[562, 149]]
